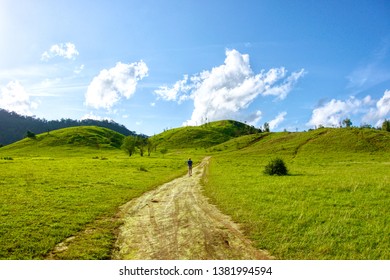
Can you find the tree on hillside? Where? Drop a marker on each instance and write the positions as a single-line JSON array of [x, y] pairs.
[[386, 125], [30, 134], [141, 144], [163, 151], [347, 122], [129, 144], [266, 127], [150, 145]]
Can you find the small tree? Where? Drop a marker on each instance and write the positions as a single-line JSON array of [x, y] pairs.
[[129, 144], [266, 127], [386, 125], [141, 144], [150, 145], [164, 151], [347, 122], [30, 134], [276, 167]]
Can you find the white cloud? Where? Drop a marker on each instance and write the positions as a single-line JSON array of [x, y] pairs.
[[254, 118], [92, 116], [13, 97], [286, 86], [173, 93], [79, 69], [107, 88], [67, 50], [275, 122], [333, 112], [381, 111], [229, 88]]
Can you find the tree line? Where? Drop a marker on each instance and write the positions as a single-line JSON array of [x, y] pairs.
[[348, 123]]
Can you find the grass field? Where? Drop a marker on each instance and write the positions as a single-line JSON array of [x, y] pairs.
[[49, 193], [333, 205], [70, 183]]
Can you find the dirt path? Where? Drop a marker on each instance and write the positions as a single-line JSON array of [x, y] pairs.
[[175, 221]]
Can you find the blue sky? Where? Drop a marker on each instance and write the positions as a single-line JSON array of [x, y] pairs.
[[153, 65]]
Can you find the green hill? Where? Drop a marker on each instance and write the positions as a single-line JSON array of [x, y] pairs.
[[318, 142], [68, 138], [203, 136], [13, 127], [332, 205]]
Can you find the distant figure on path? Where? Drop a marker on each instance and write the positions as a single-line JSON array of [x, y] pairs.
[[189, 162]]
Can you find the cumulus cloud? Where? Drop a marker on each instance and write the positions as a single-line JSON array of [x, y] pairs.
[[367, 109], [67, 50], [13, 97], [254, 118], [107, 88], [177, 92], [275, 122], [380, 111], [92, 116], [229, 88]]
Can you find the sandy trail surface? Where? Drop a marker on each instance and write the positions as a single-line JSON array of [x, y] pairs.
[[176, 221]]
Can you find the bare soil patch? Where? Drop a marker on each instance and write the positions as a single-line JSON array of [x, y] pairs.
[[176, 221]]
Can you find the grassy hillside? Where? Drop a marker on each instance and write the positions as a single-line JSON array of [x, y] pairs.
[[66, 139], [203, 136], [333, 204], [13, 127]]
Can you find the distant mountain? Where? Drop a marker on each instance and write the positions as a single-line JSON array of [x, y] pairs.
[[13, 127]]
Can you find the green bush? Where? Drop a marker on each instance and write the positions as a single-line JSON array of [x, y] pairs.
[[142, 168], [276, 167], [30, 134]]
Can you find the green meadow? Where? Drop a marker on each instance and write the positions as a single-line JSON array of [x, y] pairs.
[[70, 183], [52, 188], [333, 205]]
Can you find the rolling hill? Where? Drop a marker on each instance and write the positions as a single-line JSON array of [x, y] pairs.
[[99, 137], [318, 142], [13, 127], [92, 137], [203, 136], [222, 136]]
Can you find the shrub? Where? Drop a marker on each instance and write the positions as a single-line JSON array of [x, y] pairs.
[[7, 158], [141, 168], [276, 167], [30, 134]]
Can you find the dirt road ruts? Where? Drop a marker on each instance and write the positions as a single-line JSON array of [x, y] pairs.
[[176, 222]]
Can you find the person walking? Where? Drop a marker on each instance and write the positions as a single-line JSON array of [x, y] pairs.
[[189, 162]]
